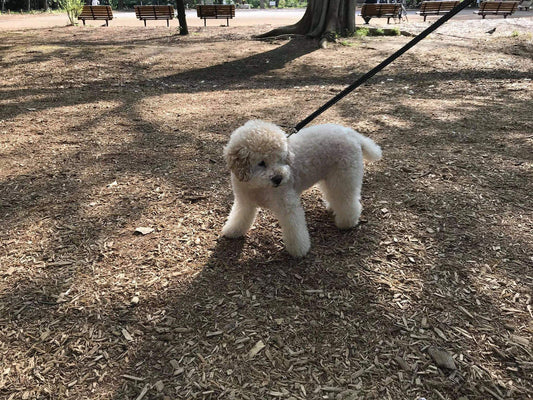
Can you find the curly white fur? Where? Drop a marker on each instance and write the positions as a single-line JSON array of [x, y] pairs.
[[270, 170]]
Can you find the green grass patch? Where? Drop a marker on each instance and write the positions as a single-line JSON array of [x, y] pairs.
[[377, 32], [394, 32], [347, 43], [361, 32]]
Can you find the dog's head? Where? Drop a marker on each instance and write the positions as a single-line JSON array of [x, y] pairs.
[[257, 153]]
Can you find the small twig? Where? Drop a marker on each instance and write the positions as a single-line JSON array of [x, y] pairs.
[[143, 392], [371, 270], [494, 394], [133, 378]]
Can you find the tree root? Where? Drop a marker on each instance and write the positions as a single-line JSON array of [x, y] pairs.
[[278, 37], [282, 31]]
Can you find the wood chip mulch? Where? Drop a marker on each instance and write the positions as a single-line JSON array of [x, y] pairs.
[[115, 283]]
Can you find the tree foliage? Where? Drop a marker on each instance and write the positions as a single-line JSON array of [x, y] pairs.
[[73, 9]]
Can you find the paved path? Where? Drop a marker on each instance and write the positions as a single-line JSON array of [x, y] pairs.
[[242, 18]]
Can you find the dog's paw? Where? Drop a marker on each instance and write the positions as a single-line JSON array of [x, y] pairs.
[[232, 232], [346, 222], [348, 217], [298, 249], [298, 252]]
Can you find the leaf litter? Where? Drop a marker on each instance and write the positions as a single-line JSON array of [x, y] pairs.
[[429, 297]]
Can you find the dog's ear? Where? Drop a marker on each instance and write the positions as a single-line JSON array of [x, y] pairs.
[[238, 160]]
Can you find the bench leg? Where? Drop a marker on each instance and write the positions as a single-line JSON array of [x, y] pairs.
[[144, 23], [83, 22], [227, 21], [168, 26], [205, 20], [106, 22], [425, 16], [367, 20]]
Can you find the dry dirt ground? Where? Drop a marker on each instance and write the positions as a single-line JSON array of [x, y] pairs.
[[103, 131]]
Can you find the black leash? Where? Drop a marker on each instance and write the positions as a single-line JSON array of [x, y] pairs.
[[384, 63]]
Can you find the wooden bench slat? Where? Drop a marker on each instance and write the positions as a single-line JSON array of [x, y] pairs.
[[436, 7], [504, 8], [380, 10], [96, 13], [215, 11], [154, 13]]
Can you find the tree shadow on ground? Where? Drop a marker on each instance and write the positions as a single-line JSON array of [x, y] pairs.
[[72, 241], [249, 72], [301, 316], [243, 71], [348, 317]]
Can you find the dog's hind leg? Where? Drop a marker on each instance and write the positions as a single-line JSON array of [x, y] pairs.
[[240, 220], [342, 194], [323, 188]]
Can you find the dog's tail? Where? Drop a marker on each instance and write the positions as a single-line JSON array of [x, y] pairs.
[[371, 151]]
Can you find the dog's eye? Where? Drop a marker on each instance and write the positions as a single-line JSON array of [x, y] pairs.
[[262, 164]]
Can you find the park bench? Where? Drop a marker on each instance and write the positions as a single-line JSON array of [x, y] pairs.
[[96, 13], [380, 10], [504, 8], [154, 12], [215, 11], [436, 7]]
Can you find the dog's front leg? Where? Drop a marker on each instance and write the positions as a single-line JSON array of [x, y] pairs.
[[291, 217], [240, 219]]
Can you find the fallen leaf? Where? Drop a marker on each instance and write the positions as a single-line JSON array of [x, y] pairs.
[[9, 271], [442, 358], [159, 386], [142, 230], [256, 349], [127, 335]]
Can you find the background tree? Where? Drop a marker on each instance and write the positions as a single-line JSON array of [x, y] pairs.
[[180, 8], [322, 19], [73, 9]]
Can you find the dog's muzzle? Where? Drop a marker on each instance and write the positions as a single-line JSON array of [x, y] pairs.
[[276, 180]]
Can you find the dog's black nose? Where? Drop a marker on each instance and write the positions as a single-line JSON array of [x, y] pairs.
[[276, 180]]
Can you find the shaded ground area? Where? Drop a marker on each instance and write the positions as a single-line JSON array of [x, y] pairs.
[[105, 131]]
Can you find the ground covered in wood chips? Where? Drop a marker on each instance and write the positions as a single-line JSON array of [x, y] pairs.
[[104, 131]]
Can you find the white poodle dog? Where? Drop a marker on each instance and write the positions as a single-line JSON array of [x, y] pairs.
[[271, 170]]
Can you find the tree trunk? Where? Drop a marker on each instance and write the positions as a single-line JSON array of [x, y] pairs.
[[46, 5], [322, 18], [180, 8], [29, 5]]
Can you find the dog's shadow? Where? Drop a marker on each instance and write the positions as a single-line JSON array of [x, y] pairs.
[[249, 251], [226, 251], [263, 245]]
